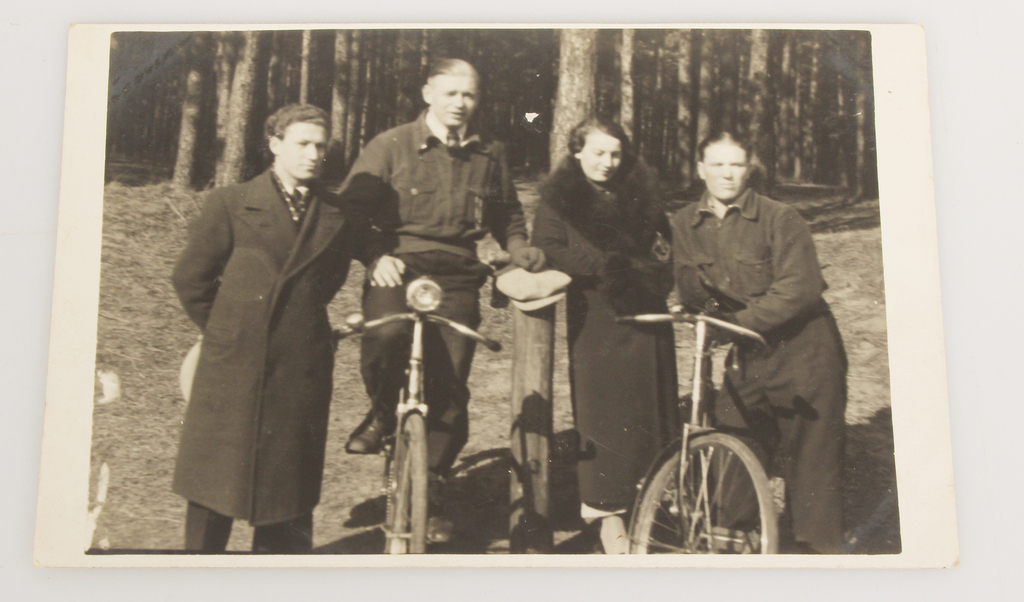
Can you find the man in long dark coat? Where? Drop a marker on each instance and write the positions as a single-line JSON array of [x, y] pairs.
[[752, 261], [263, 260]]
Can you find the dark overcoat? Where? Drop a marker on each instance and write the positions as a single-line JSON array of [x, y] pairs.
[[623, 377], [257, 285]]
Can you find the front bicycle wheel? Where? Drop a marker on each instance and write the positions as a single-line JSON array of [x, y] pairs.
[[722, 505], [406, 524]]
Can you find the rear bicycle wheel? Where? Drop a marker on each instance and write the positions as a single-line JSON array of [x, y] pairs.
[[406, 524], [722, 505]]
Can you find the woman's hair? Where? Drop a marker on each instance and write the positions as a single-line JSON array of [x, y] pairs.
[[578, 137], [726, 135]]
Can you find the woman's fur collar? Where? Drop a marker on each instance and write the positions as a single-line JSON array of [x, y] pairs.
[[635, 187]]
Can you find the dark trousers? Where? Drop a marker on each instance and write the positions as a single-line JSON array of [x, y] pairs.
[[792, 402], [447, 355], [207, 532]]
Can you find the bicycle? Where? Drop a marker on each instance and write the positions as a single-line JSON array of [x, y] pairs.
[[707, 492], [405, 480]]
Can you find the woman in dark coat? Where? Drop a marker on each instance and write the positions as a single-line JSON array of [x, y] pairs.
[[600, 220]]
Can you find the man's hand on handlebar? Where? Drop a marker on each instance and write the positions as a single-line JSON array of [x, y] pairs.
[[387, 271]]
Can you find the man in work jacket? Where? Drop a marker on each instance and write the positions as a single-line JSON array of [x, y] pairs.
[[751, 260], [263, 260], [437, 188]]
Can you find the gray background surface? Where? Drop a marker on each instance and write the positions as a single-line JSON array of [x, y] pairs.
[[974, 49]]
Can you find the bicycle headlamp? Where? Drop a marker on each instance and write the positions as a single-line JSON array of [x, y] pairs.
[[423, 295]]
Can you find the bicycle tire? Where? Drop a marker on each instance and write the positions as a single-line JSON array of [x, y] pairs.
[[407, 492], [727, 506]]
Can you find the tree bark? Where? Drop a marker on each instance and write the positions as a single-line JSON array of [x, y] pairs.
[[339, 104], [367, 108], [783, 135], [238, 115], [274, 73], [225, 70], [574, 100], [352, 116], [424, 53], [307, 42], [808, 147], [760, 101], [706, 86], [626, 86], [685, 131], [864, 180], [190, 107]]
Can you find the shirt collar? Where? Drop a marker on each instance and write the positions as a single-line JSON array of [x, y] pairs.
[[746, 204], [431, 129], [284, 187]]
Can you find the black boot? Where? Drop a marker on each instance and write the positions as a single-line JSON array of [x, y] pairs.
[[439, 524], [368, 438]]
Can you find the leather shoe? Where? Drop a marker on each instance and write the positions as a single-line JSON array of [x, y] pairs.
[[368, 438], [439, 526], [439, 529]]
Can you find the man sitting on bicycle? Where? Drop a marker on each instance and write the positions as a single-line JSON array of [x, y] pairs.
[[437, 187], [751, 260]]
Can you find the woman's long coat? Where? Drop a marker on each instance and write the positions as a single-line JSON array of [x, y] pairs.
[[257, 285], [624, 386]]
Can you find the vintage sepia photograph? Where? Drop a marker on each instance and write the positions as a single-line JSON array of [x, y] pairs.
[[492, 291]]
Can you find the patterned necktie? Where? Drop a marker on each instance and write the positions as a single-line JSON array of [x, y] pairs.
[[453, 140], [297, 203]]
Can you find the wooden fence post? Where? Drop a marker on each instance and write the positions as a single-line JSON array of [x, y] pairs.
[[532, 367]]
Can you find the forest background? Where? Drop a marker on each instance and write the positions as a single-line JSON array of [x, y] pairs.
[[189, 106]]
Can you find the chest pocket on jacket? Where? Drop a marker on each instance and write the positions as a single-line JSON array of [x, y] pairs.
[[753, 275], [474, 206], [417, 186]]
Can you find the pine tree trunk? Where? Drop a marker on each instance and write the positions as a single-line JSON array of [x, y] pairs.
[[274, 73], [626, 84], [760, 95], [799, 101], [367, 108], [339, 104], [574, 100], [307, 42], [784, 141], [863, 58], [685, 131], [190, 115], [706, 86], [224, 68], [352, 116], [424, 53], [403, 99], [807, 124], [238, 116]]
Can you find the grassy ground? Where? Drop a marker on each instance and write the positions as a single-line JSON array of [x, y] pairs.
[[143, 336]]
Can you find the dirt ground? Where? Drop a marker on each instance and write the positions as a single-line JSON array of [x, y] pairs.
[[143, 336]]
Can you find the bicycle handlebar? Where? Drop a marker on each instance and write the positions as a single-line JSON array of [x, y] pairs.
[[348, 330], [466, 331], [692, 319]]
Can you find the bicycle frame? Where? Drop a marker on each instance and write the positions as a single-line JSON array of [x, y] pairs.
[[698, 420], [413, 399]]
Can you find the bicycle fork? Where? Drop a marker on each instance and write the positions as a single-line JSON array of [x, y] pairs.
[[701, 379], [411, 400]]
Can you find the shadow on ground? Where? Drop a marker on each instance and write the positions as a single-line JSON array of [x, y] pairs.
[[869, 483], [479, 494]]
